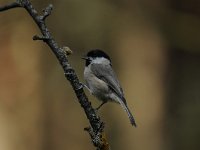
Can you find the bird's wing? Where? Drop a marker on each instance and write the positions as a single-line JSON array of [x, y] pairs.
[[106, 73]]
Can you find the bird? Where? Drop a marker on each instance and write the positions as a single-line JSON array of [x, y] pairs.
[[102, 82]]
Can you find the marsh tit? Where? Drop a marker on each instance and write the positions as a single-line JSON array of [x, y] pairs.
[[102, 82]]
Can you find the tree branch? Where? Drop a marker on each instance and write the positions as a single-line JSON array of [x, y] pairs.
[[97, 126], [9, 6]]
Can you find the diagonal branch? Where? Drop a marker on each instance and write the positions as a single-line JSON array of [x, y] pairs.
[[97, 126]]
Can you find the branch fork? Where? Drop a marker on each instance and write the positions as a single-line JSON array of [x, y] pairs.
[[47, 11]]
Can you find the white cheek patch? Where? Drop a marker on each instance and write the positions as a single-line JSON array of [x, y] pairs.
[[100, 60]]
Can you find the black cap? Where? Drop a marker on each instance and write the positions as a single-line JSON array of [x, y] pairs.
[[94, 54], [97, 53]]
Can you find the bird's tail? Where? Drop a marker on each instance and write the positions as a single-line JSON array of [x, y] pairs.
[[130, 116]]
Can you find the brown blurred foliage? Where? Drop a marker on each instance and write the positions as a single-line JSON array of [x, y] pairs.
[[155, 49]]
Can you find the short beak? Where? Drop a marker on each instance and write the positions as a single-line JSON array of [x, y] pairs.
[[85, 58]]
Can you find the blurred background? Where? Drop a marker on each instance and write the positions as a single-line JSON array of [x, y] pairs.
[[155, 50]]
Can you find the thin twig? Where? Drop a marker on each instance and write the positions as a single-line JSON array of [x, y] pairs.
[[37, 37], [47, 11], [97, 126], [9, 6]]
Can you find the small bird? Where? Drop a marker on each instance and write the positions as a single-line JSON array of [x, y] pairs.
[[102, 82]]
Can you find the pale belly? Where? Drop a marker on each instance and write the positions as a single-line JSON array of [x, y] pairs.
[[97, 87]]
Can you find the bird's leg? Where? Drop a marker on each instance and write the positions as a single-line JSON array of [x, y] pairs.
[[101, 105], [85, 86]]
